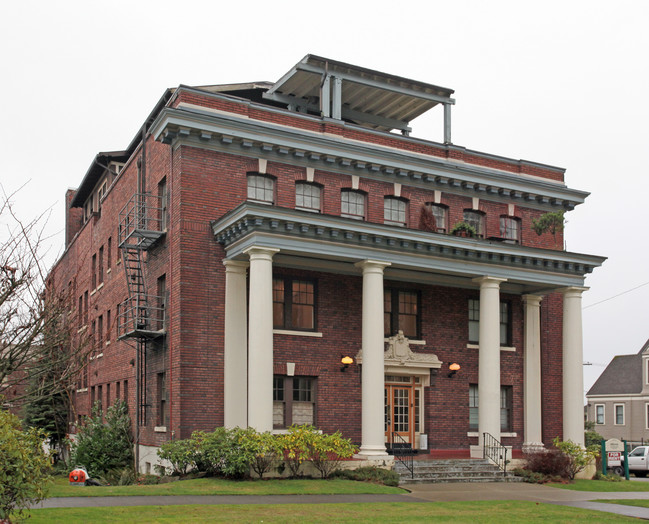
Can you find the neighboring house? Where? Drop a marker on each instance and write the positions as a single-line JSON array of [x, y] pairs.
[[618, 402], [252, 236]]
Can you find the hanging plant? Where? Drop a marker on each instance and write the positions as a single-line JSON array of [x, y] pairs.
[[464, 229]]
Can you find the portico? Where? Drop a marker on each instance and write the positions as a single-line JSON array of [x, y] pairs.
[[265, 244]]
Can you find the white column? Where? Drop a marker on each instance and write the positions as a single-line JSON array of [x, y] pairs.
[[533, 440], [235, 358], [489, 358], [260, 339], [573, 377], [373, 372]]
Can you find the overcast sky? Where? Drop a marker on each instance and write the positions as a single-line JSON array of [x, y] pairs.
[[564, 83]]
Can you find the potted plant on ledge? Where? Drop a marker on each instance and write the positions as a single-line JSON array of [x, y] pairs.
[[464, 229]]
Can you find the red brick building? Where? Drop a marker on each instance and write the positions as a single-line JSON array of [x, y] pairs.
[[253, 235]]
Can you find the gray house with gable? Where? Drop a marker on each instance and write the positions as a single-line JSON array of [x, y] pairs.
[[618, 402]]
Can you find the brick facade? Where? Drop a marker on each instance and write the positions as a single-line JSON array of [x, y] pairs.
[[203, 185]]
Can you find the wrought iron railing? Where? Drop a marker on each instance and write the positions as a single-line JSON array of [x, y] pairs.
[[403, 452], [494, 451]]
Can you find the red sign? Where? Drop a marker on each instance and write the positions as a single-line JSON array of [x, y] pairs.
[[614, 458]]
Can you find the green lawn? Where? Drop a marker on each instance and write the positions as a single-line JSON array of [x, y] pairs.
[[603, 485], [215, 486], [470, 512]]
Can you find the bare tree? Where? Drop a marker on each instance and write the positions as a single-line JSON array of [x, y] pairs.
[[38, 344]]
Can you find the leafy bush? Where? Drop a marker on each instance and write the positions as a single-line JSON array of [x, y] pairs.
[[102, 447], [592, 438], [608, 478], [119, 476], [24, 466], [224, 452], [534, 477], [267, 452], [326, 452], [180, 453], [369, 474], [551, 463], [295, 445], [578, 457]]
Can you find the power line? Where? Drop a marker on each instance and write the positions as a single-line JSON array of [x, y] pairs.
[[615, 296]]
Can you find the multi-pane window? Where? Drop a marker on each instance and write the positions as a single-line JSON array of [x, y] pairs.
[[510, 229], [100, 266], [162, 302], [506, 406], [261, 188], [473, 407], [619, 414], [599, 413], [109, 253], [401, 312], [352, 204], [474, 322], [394, 211], [100, 332], [293, 401], [163, 204], [307, 196], [94, 271], [440, 214], [476, 219], [162, 399], [293, 304]]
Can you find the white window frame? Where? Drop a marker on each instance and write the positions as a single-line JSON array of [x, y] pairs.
[[603, 422], [440, 213], [510, 228], [395, 211], [265, 190], [302, 184], [360, 200], [615, 422]]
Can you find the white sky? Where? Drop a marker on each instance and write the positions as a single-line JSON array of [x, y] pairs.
[[564, 83]]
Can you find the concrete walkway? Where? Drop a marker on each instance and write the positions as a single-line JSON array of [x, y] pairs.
[[452, 492]]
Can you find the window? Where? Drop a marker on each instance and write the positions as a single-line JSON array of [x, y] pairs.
[[510, 229], [599, 413], [117, 391], [100, 332], [506, 409], [293, 304], [476, 219], [474, 322], [80, 312], [94, 271], [646, 407], [506, 405], [307, 196], [126, 391], [473, 407], [101, 192], [107, 396], [162, 301], [100, 404], [394, 211], [85, 307], [108, 325], [440, 214], [619, 414], [352, 204], [261, 188], [100, 266], [93, 335], [109, 253], [162, 203], [401, 312], [162, 399], [293, 401]]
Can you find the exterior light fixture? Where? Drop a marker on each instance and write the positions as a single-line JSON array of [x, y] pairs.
[[454, 368], [346, 361]]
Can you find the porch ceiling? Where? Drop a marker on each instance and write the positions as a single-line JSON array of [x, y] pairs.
[[333, 244]]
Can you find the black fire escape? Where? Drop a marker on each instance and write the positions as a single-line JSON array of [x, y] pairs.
[[141, 316]]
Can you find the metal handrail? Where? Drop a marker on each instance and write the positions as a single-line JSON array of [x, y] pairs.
[[494, 451], [403, 453]]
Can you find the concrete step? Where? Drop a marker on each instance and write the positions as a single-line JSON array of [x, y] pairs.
[[450, 470]]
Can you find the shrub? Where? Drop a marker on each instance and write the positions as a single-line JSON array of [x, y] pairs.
[[549, 463], [180, 453], [119, 476], [326, 451], [223, 452], [370, 474], [592, 438], [267, 450], [295, 446], [24, 466], [578, 457], [102, 447], [532, 477]]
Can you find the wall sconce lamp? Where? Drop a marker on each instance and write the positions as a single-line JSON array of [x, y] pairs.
[[454, 368], [345, 361]]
